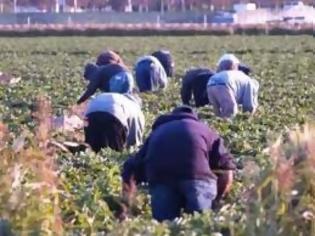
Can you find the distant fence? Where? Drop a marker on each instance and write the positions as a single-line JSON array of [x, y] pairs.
[[121, 29], [104, 18]]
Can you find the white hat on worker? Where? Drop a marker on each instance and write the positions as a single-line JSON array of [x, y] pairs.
[[229, 57]]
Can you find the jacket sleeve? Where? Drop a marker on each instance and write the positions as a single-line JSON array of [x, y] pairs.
[[219, 157], [91, 89], [134, 166], [186, 91], [163, 80], [250, 97], [136, 125]]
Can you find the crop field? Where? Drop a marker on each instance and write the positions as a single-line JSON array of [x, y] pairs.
[[81, 192]]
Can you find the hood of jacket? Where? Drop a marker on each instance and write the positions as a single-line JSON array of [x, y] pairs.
[[179, 113]]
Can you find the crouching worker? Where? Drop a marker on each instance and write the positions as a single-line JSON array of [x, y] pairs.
[[179, 160], [167, 61], [194, 85], [150, 74], [110, 78], [114, 120], [230, 87]]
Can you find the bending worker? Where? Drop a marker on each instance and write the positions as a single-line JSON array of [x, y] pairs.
[[114, 120], [230, 87], [185, 163], [151, 73], [114, 78], [194, 85]]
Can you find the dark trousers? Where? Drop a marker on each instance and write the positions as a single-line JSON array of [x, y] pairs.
[[105, 130]]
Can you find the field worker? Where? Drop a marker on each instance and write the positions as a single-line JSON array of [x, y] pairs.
[[111, 78], [108, 57], [180, 161], [166, 59], [230, 87], [114, 120], [150, 74], [194, 84]]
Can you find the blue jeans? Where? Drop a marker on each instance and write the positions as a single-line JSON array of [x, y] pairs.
[[167, 200]]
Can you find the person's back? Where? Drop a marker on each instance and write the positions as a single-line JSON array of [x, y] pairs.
[[195, 83], [150, 74], [125, 108], [108, 102], [110, 72], [166, 60], [245, 88], [178, 161], [231, 86], [178, 150], [109, 78]]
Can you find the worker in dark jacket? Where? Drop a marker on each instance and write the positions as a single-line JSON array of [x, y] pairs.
[[185, 164], [194, 84], [166, 59], [111, 78]]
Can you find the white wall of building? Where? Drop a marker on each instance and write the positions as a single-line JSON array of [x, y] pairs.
[[244, 7], [298, 14]]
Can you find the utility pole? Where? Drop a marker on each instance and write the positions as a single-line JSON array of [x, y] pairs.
[[15, 6], [75, 5], [183, 5], [57, 6], [1, 6], [162, 6]]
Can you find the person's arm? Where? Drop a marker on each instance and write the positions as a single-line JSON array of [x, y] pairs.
[[91, 89], [186, 91], [250, 97], [163, 81], [133, 173], [222, 164], [224, 183]]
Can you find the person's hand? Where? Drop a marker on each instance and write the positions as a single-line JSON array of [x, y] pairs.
[[216, 204], [128, 191]]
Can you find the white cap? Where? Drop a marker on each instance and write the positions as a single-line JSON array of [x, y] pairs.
[[229, 57]]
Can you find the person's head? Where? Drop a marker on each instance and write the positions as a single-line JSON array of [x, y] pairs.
[[165, 57], [228, 62], [245, 69], [108, 57], [90, 70], [184, 109]]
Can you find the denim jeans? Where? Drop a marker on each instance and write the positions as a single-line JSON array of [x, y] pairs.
[[167, 200]]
